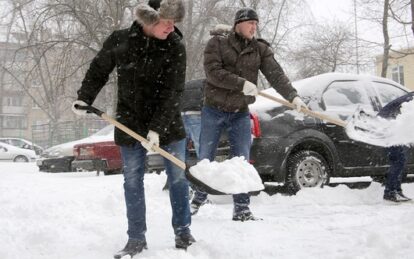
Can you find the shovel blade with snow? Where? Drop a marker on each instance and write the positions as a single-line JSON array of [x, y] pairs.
[[193, 173], [358, 128]]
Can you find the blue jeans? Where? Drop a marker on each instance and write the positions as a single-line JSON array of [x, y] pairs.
[[237, 125], [397, 156], [133, 158], [192, 125]]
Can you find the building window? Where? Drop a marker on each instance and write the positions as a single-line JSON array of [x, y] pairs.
[[397, 74], [13, 101], [14, 122]]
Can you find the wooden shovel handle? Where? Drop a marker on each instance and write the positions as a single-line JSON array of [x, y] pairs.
[[138, 137], [305, 111], [133, 134]]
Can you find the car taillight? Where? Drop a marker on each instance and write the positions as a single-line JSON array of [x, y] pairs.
[[255, 124], [87, 151], [76, 151]]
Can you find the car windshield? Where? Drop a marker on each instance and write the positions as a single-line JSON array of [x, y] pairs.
[[387, 92]]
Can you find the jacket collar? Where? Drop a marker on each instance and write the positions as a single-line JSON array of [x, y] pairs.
[[237, 44]]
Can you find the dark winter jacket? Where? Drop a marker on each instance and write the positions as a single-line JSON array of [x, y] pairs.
[[151, 76], [229, 62], [393, 108], [193, 95]]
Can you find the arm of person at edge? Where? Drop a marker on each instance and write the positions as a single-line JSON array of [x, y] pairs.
[[99, 70], [170, 97], [213, 66]]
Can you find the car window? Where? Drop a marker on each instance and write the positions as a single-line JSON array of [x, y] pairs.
[[346, 95], [388, 92], [17, 142]]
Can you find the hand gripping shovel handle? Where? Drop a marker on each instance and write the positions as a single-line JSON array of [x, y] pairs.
[[305, 111], [128, 131]]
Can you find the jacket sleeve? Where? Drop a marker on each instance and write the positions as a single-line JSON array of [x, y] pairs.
[[214, 68], [276, 76], [170, 97], [98, 72]]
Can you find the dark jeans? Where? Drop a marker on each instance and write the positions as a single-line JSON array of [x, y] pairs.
[[397, 158], [237, 124], [133, 158], [192, 126]]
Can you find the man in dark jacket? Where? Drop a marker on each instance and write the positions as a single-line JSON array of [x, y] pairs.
[[151, 60], [232, 62], [397, 155]]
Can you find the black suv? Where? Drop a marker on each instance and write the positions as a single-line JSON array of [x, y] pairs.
[[300, 151]]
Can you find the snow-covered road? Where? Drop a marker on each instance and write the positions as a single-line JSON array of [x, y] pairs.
[[79, 215]]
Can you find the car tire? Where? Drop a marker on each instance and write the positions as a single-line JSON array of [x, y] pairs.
[[19, 159], [111, 172], [306, 169]]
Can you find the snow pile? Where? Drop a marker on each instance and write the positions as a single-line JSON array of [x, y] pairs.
[[383, 132], [231, 176]]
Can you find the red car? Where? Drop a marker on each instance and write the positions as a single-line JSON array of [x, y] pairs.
[[97, 156]]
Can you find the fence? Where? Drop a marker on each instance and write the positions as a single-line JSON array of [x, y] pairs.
[[47, 135]]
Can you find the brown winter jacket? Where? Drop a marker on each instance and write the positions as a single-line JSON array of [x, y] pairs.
[[228, 65]]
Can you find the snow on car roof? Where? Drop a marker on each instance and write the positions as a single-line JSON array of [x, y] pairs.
[[105, 134], [311, 87]]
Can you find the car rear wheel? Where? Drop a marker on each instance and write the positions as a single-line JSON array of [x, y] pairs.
[[111, 172], [20, 159], [306, 169]]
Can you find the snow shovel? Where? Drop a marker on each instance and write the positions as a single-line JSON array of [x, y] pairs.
[[347, 125], [201, 186]]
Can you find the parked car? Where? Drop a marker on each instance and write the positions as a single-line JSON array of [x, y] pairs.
[[16, 154], [59, 158], [300, 151], [23, 143], [97, 156]]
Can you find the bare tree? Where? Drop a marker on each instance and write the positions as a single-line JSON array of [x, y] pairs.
[[324, 49]]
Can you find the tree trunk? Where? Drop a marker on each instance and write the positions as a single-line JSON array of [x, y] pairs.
[[386, 39], [412, 15]]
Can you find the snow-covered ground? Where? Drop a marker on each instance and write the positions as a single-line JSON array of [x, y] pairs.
[[80, 215]]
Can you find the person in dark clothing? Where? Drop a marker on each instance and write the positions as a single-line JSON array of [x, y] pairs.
[[397, 155], [232, 61], [191, 110], [191, 104], [150, 59]]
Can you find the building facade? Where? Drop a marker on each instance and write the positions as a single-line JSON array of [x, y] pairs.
[[400, 67]]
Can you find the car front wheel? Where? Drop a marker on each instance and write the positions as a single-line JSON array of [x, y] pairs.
[[306, 169]]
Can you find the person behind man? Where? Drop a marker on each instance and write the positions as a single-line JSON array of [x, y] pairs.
[[232, 62], [191, 105], [397, 155], [151, 61]]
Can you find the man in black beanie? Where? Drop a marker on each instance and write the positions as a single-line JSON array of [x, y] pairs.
[[232, 60], [150, 59]]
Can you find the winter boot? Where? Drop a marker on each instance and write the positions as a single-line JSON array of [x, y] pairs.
[[396, 197], [184, 240], [244, 215], [132, 248]]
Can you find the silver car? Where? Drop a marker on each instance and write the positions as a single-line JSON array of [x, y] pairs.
[[16, 154]]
